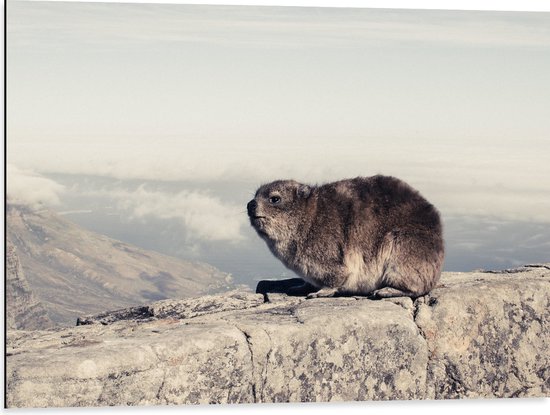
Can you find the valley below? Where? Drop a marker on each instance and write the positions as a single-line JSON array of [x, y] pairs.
[[71, 271]]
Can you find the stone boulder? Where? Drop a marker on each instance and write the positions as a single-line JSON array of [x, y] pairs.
[[477, 335]]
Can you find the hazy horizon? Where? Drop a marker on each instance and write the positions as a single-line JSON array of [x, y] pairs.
[[111, 207], [167, 117]]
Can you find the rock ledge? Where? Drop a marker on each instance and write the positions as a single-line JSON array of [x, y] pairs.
[[478, 335]]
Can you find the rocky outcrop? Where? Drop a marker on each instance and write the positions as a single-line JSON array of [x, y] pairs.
[[24, 311], [477, 335]]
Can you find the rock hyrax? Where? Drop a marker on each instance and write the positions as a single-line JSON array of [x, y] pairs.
[[364, 236]]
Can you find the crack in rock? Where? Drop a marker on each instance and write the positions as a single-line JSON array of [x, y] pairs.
[[247, 338], [161, 387], [267, 357], [417, 304]]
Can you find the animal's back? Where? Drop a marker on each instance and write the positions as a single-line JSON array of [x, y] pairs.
[[390, 235], [410, 234]]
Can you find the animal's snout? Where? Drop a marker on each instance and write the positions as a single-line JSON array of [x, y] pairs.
[[251, 207]]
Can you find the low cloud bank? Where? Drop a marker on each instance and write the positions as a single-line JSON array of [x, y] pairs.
[[204, 217], [493, 178], [29, 188]]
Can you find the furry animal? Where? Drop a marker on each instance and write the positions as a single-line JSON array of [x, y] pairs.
[[364, 236]]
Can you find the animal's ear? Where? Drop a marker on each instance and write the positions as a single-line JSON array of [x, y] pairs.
[[303, 191]]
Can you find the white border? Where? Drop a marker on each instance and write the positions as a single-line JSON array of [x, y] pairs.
[[502, 5], [533, 406]]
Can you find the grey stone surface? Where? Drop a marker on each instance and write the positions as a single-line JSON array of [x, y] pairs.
[[488, 334], [477, 335]]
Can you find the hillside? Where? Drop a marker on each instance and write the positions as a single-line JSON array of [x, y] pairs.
[[72, 271], [25, 312]]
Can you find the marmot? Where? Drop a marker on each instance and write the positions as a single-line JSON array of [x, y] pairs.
[[364, 236]]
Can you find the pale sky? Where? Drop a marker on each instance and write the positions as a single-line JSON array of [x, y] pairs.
[[456, 103]]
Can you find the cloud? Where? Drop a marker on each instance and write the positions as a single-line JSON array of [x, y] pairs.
[[512, 203], [485, 178], [204, 217], [29, 188]]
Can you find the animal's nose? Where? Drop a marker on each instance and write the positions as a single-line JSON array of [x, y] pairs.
[[251, 207]]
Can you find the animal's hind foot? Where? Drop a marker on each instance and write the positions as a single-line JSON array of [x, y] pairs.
[[323, 293], [390, 292]]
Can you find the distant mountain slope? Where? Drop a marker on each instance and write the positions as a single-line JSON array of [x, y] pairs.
[[73, 271], [24, 311]]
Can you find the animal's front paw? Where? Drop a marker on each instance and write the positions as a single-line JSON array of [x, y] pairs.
[[323, 292], [300, 290]]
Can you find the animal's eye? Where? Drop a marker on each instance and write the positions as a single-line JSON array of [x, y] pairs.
[[274, 200]]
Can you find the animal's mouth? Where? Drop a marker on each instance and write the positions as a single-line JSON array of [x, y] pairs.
[[258, 222]]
